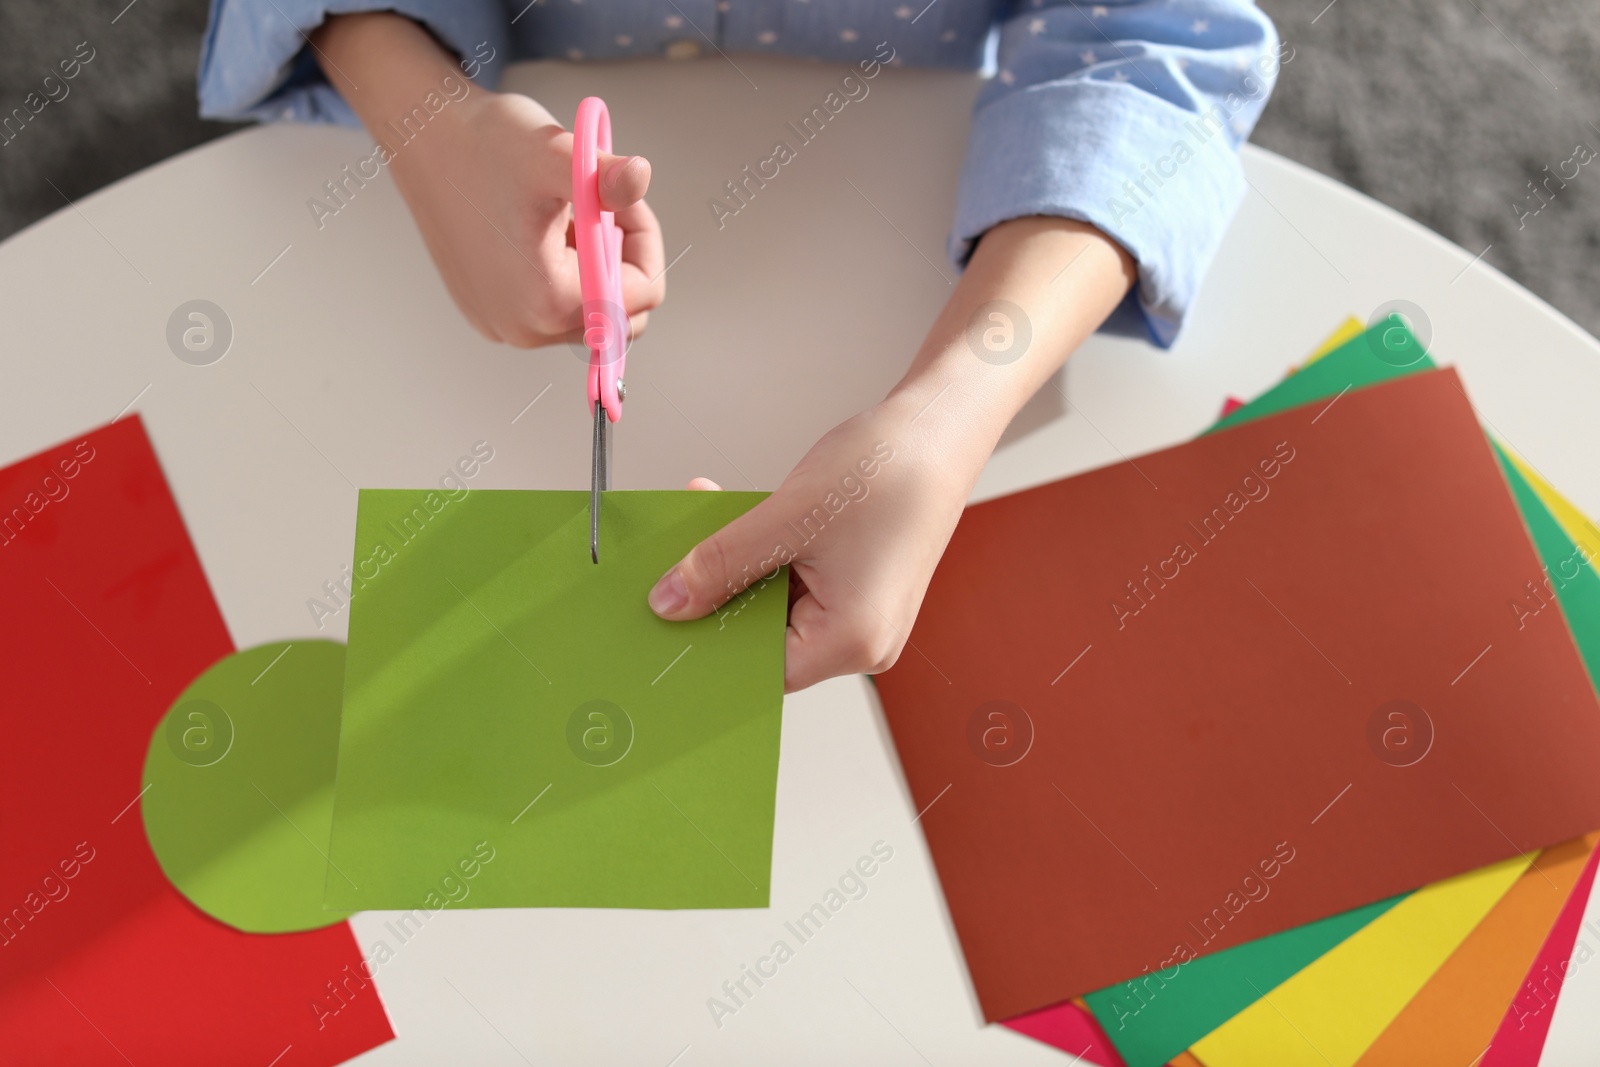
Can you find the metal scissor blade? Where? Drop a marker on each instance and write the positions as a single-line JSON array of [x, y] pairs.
[[600, 478]]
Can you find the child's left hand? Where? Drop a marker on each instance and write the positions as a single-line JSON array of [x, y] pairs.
[[861, 547]]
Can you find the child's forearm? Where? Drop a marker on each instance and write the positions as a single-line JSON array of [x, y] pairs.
[[975, 370], [384, 65]]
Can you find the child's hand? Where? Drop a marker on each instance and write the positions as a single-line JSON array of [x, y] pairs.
[[490, 190], [862, 521], [488, 177]]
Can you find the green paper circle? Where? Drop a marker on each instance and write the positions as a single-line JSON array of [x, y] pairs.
[[238, 800]]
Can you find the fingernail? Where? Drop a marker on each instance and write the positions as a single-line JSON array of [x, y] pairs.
[[670, 594], [614, 171]]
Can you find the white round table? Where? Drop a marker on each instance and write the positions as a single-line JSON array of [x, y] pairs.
[[349, 366]]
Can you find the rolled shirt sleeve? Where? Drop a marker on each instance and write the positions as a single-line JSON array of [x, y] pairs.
[[256, 59], [1127, 116]]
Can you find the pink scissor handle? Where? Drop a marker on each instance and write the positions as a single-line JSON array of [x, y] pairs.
[[599, 244]]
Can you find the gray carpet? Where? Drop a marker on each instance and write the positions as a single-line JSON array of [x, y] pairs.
[[1442, 109], [132, 105], [1445, 110]]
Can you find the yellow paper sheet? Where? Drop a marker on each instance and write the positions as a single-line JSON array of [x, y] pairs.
[[1348, 329], [1329, 1013]]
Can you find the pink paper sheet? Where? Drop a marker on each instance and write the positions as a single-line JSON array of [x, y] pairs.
[[1520, 1039]]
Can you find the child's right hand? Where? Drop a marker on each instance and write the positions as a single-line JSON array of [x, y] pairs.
[[488, 178], [490, 189]]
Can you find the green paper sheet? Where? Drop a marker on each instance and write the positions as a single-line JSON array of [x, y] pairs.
[[1577, 586], [1150, 1029], [239, 786], [520, 730]]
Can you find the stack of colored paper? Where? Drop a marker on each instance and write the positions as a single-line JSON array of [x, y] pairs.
[[1256, 738]]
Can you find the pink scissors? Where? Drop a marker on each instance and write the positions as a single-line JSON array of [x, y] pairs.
[[605, 322]]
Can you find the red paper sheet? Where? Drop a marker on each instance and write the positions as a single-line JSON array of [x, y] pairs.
[[108, 617], [1152, 753], [1520, 1039]]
